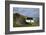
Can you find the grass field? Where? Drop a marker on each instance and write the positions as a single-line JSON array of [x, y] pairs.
[[17, 23]]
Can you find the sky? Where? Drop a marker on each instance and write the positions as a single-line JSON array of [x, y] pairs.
[[30, 12]]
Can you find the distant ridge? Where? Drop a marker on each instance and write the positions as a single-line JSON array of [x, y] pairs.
[[18, 14]]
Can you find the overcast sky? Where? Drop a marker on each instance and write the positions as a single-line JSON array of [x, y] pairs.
[[30, 12]]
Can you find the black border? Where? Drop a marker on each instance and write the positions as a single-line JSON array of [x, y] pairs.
[[7, 16]]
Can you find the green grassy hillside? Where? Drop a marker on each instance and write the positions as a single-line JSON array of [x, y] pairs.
[[20, 21]]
